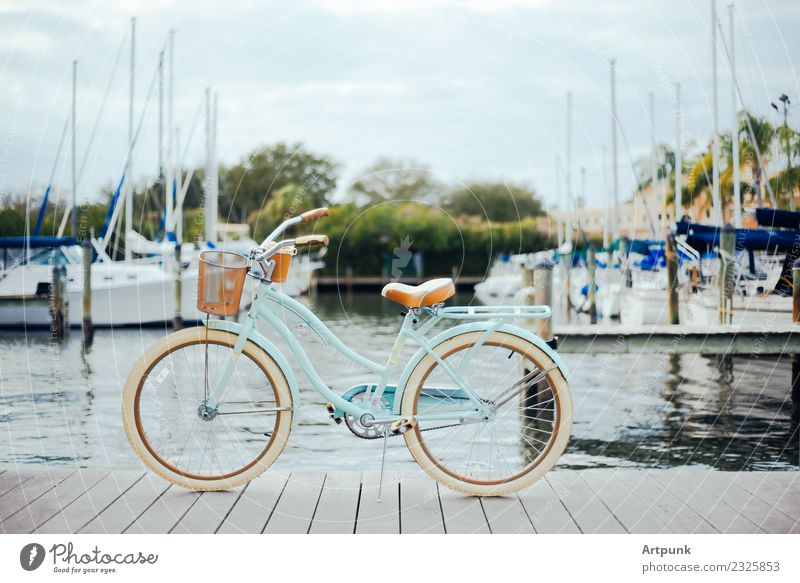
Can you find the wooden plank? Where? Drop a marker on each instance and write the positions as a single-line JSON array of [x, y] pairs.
[[716, 502], [763, 513], [165, 513], [780, 490], [253, 508], [53, 501], [207, 514], [673, 511], [29, 490], [547, 510], [506, 515], [11, 479], [585, 507], [336, 511], [634, 514], [420, 511], [379, 517], [295, 509], [121, 513], [71, 519], [462, 514]]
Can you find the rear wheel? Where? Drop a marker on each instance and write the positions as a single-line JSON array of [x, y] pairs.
[[521, 441], [172, 432]]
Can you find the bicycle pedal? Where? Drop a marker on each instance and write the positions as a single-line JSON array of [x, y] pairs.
[[331, 410], [402, 425]]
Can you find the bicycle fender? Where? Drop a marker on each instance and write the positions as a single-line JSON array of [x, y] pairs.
[[475, 327], [273, 352]]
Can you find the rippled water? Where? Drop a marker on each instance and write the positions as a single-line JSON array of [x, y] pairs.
[[60, 405]]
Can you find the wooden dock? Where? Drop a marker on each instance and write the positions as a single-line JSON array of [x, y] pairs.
[[680, 339], [684, 500]]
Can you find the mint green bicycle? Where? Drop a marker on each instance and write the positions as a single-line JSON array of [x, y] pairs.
[[484, 406]]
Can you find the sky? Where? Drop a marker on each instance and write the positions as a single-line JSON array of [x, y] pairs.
[[474, 89]]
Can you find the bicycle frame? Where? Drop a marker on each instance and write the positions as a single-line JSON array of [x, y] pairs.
[[413, 329]]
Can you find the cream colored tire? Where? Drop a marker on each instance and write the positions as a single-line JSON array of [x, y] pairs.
[[189, 338], [416, 438]]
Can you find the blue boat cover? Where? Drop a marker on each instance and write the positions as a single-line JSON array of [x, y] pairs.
[[36, 242]]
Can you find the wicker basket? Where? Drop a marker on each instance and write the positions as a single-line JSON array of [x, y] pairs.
[[222, 276]]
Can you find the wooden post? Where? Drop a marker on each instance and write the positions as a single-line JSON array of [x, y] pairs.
[[727, 255], [59, 315], [623, 262], [349, 274], [177, 321], [543, 296], [671, 255], [86, 308], [591, 295], [795, 358]]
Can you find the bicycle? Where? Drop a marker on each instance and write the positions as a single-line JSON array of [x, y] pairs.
[[484, 406]]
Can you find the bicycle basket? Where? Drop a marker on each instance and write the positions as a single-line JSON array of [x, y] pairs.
[[283, 260], [222, 277]]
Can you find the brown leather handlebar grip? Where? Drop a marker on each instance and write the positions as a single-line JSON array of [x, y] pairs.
[[311, 240], [314, 214]]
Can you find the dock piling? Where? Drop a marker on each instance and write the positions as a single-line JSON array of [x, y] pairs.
[[795, 358], [177, 321], [671, 256], [86, 300], [591, 293], [59, 314], [727, 255]]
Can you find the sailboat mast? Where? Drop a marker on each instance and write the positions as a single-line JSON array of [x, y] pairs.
[[715, 195], [568, 171], [559, 220], [171, 174], [678, 155], [210, 210], [74, 176], [129, 189], [737, 203], [165, 197], [654, 155], [615, 175]]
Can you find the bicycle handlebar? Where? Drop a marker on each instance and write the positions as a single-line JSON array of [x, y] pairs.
[[304, 218], [314, 214], [311, 240]]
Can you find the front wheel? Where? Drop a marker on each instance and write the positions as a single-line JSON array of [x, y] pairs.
[[171, 430], [526, 433]]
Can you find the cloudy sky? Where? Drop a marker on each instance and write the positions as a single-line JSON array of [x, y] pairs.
[[475, 88]]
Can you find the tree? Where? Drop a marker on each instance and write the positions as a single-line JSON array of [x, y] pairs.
[[758, 141], [395, 180], [495, 201], [246, 187]]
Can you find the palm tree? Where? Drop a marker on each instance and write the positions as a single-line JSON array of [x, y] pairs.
[[758, 141]]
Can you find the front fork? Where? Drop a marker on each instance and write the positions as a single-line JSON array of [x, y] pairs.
[[219, 384]]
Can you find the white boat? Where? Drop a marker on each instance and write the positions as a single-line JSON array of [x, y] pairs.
[[503, 282], [123, 293]]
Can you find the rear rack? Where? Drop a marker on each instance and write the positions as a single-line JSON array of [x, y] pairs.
[[502, 312]]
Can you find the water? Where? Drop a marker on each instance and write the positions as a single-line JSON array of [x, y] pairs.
[[60, 405]]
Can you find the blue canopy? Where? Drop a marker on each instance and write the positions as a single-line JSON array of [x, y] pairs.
[[777, 218], [703, 237], [36, 242]]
